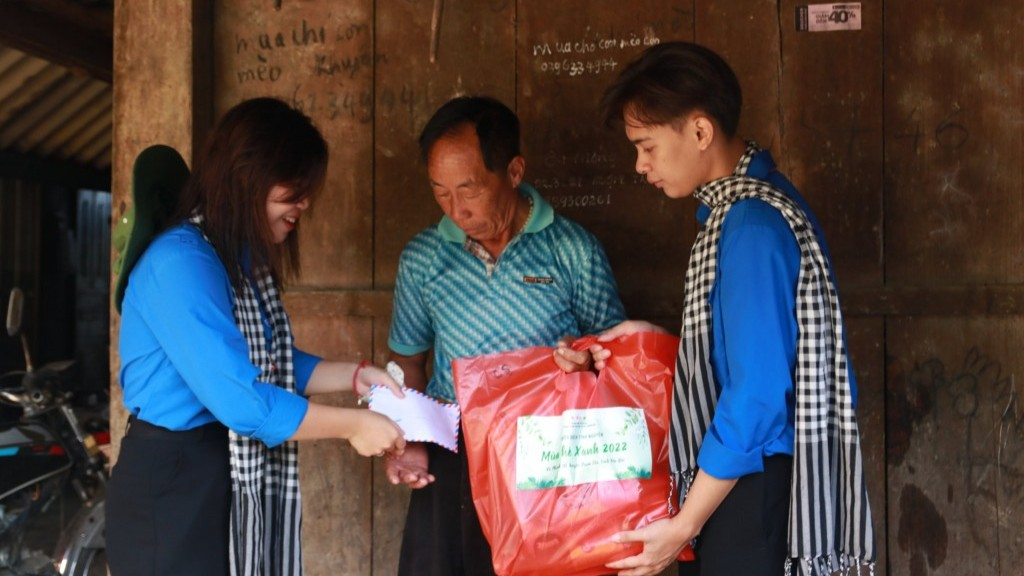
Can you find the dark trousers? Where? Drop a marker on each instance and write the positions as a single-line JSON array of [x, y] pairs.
[[168, 502], [442, 531], [747, 533]]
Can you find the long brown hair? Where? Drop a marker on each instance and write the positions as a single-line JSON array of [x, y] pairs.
[[258, 144]]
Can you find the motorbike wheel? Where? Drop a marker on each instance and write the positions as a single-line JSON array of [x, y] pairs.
[[82, 548], [92, 563]]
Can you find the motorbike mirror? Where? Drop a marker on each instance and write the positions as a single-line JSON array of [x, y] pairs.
[[14, 306]]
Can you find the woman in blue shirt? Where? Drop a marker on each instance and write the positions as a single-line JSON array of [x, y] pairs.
[[207, 475]]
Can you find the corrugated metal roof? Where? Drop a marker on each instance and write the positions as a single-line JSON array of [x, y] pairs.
[[56, 101], [52, 113]]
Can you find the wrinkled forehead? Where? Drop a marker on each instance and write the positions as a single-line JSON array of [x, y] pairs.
[[457, 156]]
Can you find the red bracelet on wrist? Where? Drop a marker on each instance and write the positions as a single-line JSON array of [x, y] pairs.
[[355, 375]]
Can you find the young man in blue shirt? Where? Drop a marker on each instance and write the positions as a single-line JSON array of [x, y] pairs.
[[763, 406]]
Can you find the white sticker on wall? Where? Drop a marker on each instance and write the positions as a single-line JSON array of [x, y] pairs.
[[828, 17], [582, 446]]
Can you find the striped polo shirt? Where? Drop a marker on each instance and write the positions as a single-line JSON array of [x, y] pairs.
[[552, 279]]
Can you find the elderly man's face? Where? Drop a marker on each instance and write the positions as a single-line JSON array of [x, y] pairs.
[[481, 203]]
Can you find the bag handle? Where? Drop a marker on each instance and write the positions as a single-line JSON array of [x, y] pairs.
[[583, 342]]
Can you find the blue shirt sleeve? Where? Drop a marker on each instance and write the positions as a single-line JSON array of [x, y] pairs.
[[303, 365], [190, 357], [755, 331]]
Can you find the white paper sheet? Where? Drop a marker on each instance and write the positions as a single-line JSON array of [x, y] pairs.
[[422, 418]]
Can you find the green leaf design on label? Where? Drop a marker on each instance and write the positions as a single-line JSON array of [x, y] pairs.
[[582, 446]]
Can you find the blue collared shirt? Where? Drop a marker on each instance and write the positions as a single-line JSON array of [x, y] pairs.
[[753, 353], [552, 279], [184, 361]]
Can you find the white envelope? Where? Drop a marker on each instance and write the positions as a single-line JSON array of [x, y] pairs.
[[421, 417]]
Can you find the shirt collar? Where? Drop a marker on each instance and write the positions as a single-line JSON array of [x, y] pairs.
[[754, 163], [543, 215]]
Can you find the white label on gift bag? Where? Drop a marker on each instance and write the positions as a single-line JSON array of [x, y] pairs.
[[582, 446]]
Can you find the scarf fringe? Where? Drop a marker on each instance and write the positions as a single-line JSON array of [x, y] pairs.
[[830, 565]]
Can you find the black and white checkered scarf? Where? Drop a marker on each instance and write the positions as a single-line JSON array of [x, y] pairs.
[[266, 507], [829, 520]]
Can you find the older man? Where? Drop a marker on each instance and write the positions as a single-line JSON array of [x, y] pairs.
[[500, 271]]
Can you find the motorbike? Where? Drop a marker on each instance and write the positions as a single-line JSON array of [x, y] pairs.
[[46, 450]]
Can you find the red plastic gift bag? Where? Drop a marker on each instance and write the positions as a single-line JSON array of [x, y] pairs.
[[559, 463]]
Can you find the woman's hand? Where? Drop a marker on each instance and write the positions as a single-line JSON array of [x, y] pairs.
[[376, 434], [369, 375]]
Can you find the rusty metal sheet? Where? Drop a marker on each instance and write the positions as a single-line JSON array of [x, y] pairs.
[[955, 446], [320, 58], [954, 111], [831, 103], [431, 50], [585, 170]]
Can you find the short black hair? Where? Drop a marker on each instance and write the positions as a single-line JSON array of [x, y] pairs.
[[497, 128], [669, 81]]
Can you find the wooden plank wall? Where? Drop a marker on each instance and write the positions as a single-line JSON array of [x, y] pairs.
[[954, 108], [905, 136]]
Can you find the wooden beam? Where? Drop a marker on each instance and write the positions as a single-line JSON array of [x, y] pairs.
[[359, 303], [904, 301], [977, 300], [894, 301], [62, 32]]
